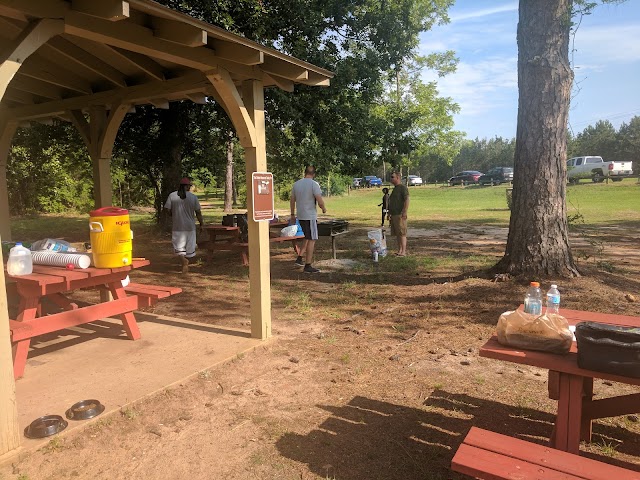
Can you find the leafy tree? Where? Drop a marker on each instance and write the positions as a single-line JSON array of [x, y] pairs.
[[628, 147], [600, 139], [49, 170]]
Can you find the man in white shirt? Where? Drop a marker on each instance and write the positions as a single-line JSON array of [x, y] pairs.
[[183, 206], [305, 194]]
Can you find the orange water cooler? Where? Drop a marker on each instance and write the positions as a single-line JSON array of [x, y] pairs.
[[111, 237]]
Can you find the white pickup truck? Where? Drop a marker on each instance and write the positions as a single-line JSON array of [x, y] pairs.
[[596, 169]]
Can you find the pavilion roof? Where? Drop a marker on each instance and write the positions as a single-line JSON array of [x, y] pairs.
[[104, 52]]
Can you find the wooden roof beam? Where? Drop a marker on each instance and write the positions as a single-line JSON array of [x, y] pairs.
[[197, 97], [112, 10], [282, 83], [50, 73], [178, 32], [84, 58], [19, 96], [142, 62], [317, 80], [10, 13], [36, 87], [138, 39], [190, 83], [161, 103], [236, 52], [285, 70], [37, 8]]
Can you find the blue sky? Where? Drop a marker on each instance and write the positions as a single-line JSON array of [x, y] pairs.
[[483, 35]]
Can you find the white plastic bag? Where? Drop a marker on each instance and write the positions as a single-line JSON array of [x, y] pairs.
[[53, 245], [289, 231], [377, 242]]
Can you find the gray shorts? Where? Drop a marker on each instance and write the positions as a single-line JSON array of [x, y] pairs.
[[310, 229]]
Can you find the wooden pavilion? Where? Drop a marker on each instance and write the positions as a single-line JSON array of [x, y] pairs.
[[90, 62]]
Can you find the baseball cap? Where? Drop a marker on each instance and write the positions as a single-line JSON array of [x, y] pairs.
[[185, 181]]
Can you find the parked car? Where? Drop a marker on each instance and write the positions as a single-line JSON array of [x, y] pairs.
[[595, 168], [357, 183], [466, 177], [496, 176], [372, 181], [414, 180]]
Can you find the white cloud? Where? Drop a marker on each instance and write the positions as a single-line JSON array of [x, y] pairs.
[[602, 45], [485, 12], [481, 86]]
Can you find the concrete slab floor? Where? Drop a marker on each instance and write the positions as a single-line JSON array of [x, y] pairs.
[[97, 361]]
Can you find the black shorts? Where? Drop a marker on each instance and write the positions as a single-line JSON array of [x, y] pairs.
[[310, 229]]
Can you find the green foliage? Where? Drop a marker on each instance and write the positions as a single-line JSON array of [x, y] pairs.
[[49, 171]]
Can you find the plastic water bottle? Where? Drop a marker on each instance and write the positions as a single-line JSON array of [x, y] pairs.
[[375, 256], [533, 299], [19, 262], [553, 300]]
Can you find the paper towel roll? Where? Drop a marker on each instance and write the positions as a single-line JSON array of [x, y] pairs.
[[46, 257]]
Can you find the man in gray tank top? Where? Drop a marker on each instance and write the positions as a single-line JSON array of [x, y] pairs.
[[305, 195], [183, 206]]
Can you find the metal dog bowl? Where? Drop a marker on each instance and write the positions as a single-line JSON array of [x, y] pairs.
[[84, 410], [45, 426]]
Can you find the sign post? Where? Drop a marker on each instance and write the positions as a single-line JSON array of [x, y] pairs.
[[262, 189]]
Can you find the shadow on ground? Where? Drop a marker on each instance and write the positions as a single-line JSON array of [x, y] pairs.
[[368, 438]]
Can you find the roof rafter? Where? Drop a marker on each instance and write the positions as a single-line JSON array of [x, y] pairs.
[[138, 39], [36, 87], [285, 70], [237, 53], [40, 69], [112, 10], [84, 58], [190, 83], [178, 32], [37, 8], [142, 62]]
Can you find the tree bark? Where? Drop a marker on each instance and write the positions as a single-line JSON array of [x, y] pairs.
[[538, 241], [173, 120], [228, 184]]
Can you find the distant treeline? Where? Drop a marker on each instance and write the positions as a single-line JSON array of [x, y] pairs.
[[50, 171], [482, 154]]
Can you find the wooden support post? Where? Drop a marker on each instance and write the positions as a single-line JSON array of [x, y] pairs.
[[259, 266], [7, 129], [99, 135], [247, 115], [9, 428]]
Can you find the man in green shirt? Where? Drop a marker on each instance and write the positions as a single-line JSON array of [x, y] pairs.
[[398, 206]]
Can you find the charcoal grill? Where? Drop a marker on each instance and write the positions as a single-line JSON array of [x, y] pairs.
[[332, 228]]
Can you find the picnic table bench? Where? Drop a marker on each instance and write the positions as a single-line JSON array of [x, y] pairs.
[[227, 238], [55, 283], [489, 455]]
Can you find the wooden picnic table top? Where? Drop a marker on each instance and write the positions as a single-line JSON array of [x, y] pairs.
[[47, 278], [550, 361], [221, 228], [567, 363]]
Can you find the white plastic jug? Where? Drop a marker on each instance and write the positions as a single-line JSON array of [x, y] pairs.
[[19, 262]]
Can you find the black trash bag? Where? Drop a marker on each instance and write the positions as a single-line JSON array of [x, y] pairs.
[[609, 348], [243, 224]]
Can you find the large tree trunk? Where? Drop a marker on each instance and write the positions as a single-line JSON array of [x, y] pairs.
[[173, 120], [538, 242], [228, 183]]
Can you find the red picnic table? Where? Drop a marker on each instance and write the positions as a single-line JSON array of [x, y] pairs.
[[571, 385], [223, 237], [55, 283]]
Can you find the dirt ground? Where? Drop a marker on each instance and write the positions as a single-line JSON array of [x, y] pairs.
[[373, 372]]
